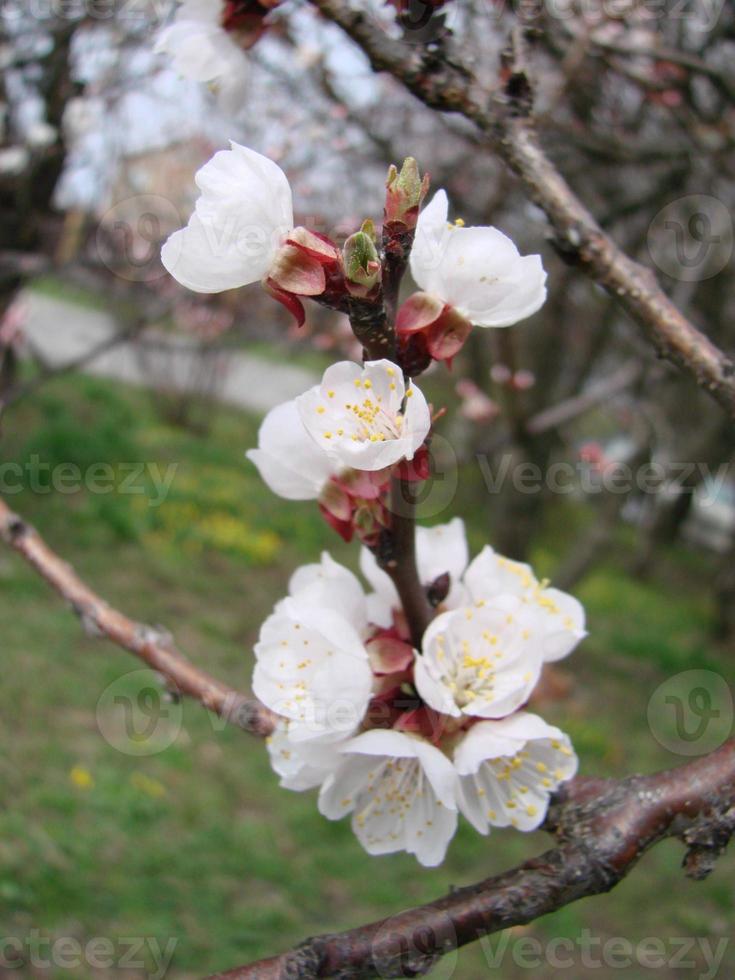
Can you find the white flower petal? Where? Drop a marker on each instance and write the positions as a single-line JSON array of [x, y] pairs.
[[432, 232], [508, 769], [201, 49], [301, 765], [443, 548], [490, 574], [433, 690], [380, 611], [287, 458], [385, 598], [561, 617], [312, 668], [240, 219], [330, 585], [478, 271], [401, 791], [565, 623], [355, 415], [483, 660]]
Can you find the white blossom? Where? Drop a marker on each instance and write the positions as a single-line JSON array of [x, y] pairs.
[[480, 660], [561, 615], [311, 664], [301, 764], [401, 792], [358, 415], [201, 49], [240, 221], [478, 270], [329, 585], [508, 769], [289, 461]]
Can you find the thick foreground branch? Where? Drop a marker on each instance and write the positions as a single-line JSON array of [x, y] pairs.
[[505, 122], [603, 827], [153, 646]]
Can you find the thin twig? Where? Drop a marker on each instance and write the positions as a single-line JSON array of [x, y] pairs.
[[153, 646]]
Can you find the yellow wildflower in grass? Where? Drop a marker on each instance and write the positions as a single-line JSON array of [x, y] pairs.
[[81, 778]]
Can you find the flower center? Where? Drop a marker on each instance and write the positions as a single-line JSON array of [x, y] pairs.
[[371, 422], [469, 667]]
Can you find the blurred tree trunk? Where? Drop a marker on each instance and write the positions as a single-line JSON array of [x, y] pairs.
[[518, 509]]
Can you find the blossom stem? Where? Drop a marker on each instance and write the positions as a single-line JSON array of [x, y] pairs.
[[372, 328], [396, 249], [400, 563]]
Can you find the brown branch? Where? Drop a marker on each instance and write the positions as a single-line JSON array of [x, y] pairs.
[[506, 124], [397, 556], [603, 826], [153, 646], [571, 408]]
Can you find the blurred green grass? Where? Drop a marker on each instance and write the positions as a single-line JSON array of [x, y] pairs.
[[197, 842]]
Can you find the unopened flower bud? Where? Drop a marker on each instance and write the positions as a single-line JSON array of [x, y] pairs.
[[406, 190], [361, 262]]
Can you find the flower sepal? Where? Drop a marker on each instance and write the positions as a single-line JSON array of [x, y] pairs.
[[389, 654], [423, 721], [441, 326], [292, 303], [299, 264], [355, 503], [415, 470]]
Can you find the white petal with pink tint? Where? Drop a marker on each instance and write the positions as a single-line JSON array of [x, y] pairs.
[[508, 769], [401, 792]]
